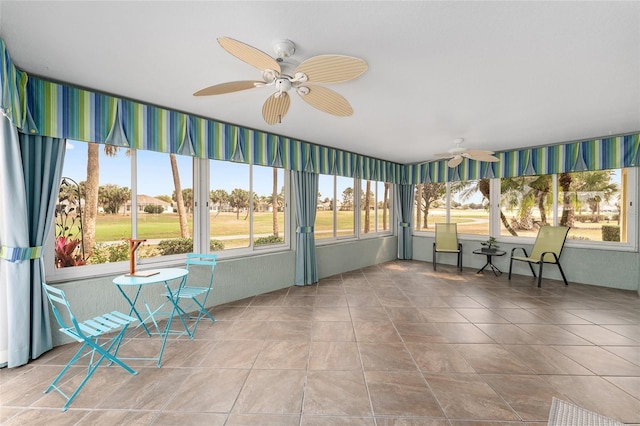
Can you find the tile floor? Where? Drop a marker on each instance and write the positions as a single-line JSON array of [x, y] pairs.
[[392, 344]]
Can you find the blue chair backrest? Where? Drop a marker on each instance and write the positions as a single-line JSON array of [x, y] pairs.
[[57, 297], [204, 259]]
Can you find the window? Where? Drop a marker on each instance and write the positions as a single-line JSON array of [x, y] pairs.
[[526, 203], [110, 194], [470, 206], [467, 205], [229, 221], [93, 215], [164, 204], [592, 203], [598, 205], [374, 207], [595, 204], [335, 208], [269, 205]]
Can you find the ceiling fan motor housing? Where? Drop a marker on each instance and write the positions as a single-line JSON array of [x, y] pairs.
[[283, 49]]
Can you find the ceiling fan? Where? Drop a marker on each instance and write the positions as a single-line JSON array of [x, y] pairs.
[[457, 154], [317, 69]]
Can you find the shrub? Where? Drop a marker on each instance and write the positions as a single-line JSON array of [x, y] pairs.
[[590, 218], [107, 253], [65, 251], [610, 233], [216, 245], [153, 209], [271, 239], [175, 246]]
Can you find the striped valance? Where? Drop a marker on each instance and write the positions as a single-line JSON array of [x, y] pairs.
[[68, 112], [597, 154], [51, 109]]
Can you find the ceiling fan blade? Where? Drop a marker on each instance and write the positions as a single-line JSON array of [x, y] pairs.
[[249, 54], [276, 107], [443, 155], [478, 152], [332, 68], [484, 157], [455, 161], [327, 100], [232, 86]]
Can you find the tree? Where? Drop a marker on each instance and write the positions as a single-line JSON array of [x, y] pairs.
[[347, 199], [239, 199], [567, 208], [218, 197], [426, 195], [385, 205], [274, 202], [187, 199], [541, 187], [182, 214], [91, 198], [165, 198], [598, 187], [276, 199], [112, 197], [367, 198]]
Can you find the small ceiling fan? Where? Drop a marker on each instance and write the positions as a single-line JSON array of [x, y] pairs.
[[457, 154], [318, 69]]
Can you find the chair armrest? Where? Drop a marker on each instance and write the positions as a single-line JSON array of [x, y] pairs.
[[542, 256], [521, 248]]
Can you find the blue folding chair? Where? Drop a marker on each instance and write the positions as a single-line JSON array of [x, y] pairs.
[[88, 333], [195, 297]]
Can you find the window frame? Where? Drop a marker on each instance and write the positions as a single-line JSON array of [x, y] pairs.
[[633, 187], [201, 227]]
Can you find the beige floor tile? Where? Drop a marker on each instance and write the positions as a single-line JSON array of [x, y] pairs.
[[283, 355], [529, 395], [468, 396], [332, 331], [336, 393], [222, 387], [334, 356], [600, 361], [386, 356], [271, 392], [438, 358], [401, 394]]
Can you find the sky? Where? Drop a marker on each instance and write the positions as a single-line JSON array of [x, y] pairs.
[[117, 170]]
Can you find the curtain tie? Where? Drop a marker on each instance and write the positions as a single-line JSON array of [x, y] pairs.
[[405, 224], [18, 254], [305, 229]]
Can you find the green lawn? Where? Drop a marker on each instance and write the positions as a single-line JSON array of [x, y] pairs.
[[110, 228]]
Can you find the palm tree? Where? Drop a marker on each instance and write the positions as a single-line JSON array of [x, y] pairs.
[[182, 214], [274, 202], [567, 208], [218, 197], [91, 198], [598, 187], [385, 205], [367, 207]]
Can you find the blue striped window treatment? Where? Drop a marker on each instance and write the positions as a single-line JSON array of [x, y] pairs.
[[42, 107]]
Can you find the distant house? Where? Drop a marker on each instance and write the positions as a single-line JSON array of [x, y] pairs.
[[146, 200]]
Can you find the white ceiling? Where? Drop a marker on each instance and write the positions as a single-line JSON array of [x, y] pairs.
[[502, 75]]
